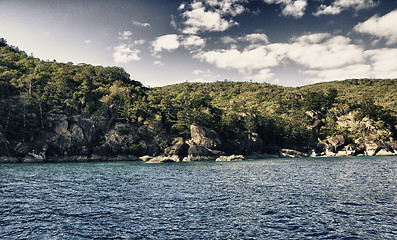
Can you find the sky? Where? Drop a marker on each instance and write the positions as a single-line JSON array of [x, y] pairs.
[[163, 42]]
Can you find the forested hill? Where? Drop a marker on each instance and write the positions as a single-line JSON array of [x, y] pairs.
[[63, 109]]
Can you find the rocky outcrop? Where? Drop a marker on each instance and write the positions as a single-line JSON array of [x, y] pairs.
[[290, 153], [205, 137], [121, 139], [230, 158]]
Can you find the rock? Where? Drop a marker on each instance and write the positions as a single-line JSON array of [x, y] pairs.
[[230, 158], [384, 152], [164, 159], [145, 158], [5, 146], [191, 158], [121, 139], [32, 159], [371, 149], [5, 159], [205, 137], [92, 132], [291, 153], [349, 150], [393, 145], [337, 142], [196, 150], [180, 148]]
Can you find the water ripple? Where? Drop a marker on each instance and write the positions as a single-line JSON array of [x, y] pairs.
[[269, 199]]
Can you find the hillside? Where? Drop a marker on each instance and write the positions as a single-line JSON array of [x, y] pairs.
[[54, 110]]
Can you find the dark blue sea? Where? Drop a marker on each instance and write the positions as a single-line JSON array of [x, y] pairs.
[[311, 198]]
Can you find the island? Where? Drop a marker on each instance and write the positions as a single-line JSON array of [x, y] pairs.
[[57, 112]]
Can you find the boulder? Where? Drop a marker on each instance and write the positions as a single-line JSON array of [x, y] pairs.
[[290, 153], [205, 137], [230, 158], [338, 142], [164, 159], [180, 148], [384, 152], [371, 149], [191, 158], [145, 158], [196, 150]]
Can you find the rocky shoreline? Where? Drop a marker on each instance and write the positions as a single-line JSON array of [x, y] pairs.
[[81, 140]]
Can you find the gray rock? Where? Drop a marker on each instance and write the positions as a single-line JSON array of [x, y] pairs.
[[290, 153], [122, 139], [180, 148], [164, 159], [145, 158], [230, 158], [371, 149], [198, 158], [205, 137]]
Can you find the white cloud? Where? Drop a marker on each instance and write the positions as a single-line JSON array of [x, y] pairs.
[[158, 63], [294, 8], [165, 43], [140, 24], [341, 73], [314, 51], [126, 35], [139, 42], [256, 38], [263, 75], [198, 19], [381, 27], [210, 15], [383, 62], [228, 40], [193, 42], [341, 5], [324, 51], [88, 41], [243, 61], [124, 54]]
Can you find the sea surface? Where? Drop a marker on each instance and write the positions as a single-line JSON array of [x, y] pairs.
[[311, 198]]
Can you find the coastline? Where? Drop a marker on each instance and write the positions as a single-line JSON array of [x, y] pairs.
[[175, 158]]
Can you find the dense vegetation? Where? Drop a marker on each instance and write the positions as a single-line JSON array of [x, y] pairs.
[[33, 92]]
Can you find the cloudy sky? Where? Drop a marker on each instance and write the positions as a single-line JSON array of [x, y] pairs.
[[161, 42]]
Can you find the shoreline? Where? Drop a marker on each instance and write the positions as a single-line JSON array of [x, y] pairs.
[[173, 158]]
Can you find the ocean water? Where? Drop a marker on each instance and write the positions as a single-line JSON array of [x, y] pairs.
[[312, 198]]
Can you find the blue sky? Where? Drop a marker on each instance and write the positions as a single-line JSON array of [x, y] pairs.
[[158, 42]]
